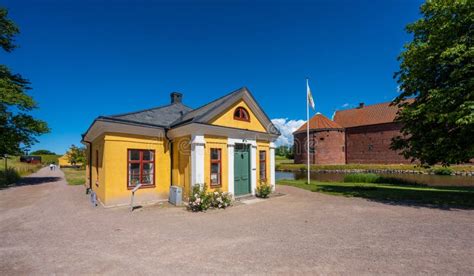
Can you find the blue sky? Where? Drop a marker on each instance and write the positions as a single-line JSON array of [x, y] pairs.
[[91, 58]]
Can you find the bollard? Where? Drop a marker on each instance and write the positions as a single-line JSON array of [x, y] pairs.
[[133, 195]]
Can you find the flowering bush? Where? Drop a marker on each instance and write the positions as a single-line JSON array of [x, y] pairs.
[[201, 200], [263, 190], [220, 199]]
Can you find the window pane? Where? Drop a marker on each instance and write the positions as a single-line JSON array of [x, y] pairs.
[[148, 155], [215, 168], [262, 155], [147, 173], [214, 178], [134, 155], [134, 174], [262, 171], [215, 154], [244, 115]]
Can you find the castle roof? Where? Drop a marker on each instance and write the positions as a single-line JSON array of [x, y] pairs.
[[367, 115], [319, 122]]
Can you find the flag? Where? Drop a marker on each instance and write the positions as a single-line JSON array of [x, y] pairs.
[[310, 97]]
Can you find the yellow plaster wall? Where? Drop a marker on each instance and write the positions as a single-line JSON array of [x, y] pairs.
[[115, 162], [219, 143], [181, 164], [227, 119], [263, 145], [98, 176]]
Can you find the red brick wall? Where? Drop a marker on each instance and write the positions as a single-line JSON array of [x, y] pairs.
[[328, 147], [371, 144]]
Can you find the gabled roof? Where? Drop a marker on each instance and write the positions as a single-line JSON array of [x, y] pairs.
[[367, 115], [205, 112], [319, 122], [160, 116], [177, 114]]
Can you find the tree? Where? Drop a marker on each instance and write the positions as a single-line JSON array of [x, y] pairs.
[[76, 155], [18, 130], [42, 152], [437, 71]]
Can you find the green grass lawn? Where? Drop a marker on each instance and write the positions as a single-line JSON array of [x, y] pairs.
[[282, 160], [444, 197], [75, 176], [289, 166]]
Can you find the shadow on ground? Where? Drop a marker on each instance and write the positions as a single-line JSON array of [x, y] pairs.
[[28, 181], [441, 198]]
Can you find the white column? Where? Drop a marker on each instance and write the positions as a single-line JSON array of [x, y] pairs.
[[197, 159], [230, 169], [253, 166], [272, 165]]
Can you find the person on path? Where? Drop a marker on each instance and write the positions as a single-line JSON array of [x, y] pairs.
[[51, 166]]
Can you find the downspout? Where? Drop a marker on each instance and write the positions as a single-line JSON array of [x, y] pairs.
[[90, 165]]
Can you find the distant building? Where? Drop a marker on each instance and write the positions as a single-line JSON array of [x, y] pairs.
[[32, 159], [360, 135]]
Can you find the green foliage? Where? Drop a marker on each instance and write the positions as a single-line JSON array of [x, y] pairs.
[[76, 155], [48, 159], [8, 30], [201, 200], [263, 190], [42, 152], [437, 70], [443, 171], [219, 199], [9, 176], [17, 129], [285, 151]]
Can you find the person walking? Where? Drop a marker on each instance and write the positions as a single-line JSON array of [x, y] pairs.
[[51, 166]]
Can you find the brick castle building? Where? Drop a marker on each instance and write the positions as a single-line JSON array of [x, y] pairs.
[[359, 135]]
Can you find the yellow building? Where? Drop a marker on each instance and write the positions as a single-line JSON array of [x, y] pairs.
[[63, 162], [226, 144]]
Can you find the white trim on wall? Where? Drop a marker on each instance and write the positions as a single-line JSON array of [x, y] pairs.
[[253, 168], [272, 165], [230, 169], [197, 160]]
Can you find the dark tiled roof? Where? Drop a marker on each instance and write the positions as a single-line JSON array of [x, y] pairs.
[[368, 115], [177, 114], [319, 121], [160, 116], [196, 114]]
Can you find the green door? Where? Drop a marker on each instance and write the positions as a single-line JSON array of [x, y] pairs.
[[241, 170]]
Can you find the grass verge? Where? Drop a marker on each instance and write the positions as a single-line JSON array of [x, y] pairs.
[[75, 176], [15, 170], [442, 197], [286, 166]]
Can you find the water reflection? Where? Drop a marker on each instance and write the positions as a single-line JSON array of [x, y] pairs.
[[423, 179]]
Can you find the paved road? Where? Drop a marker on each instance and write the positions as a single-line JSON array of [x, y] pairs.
[[48, 227]]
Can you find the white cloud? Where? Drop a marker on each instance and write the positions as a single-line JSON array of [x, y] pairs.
[[286, 127], [345, 105]]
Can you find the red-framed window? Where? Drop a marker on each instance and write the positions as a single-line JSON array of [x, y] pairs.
[[241, 114], [216, 168], [263, 164], [140, 168]]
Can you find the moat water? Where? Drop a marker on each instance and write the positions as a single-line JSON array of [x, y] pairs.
[[420, 179]]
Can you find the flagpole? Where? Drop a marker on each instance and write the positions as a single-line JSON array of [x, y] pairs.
[[307, 130]]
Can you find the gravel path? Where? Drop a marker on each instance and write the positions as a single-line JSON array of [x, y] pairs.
[[48, 227]]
